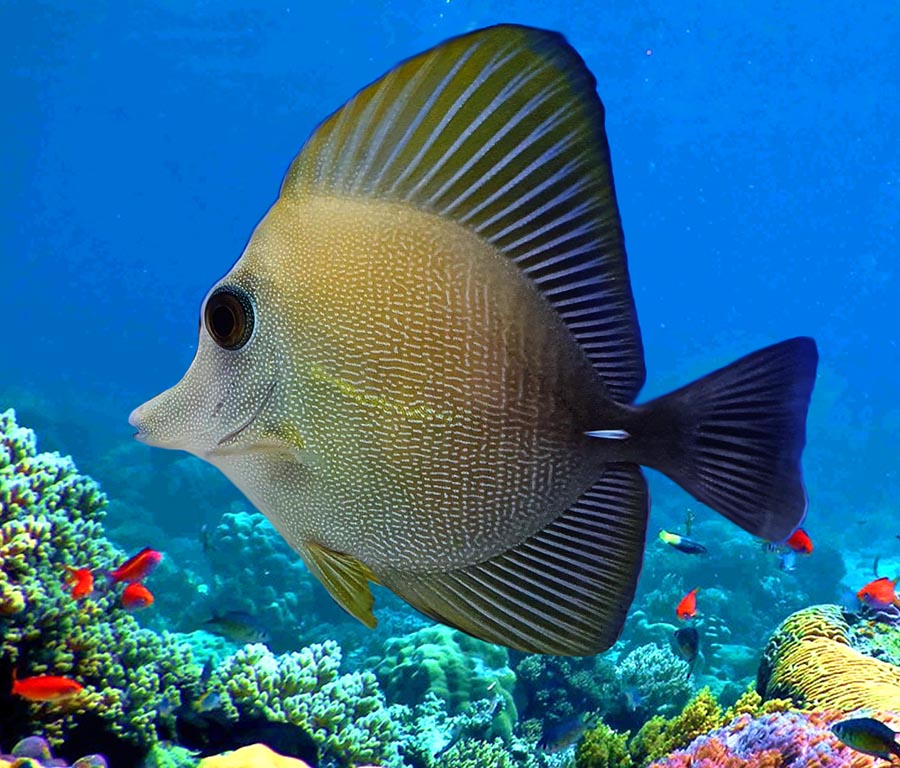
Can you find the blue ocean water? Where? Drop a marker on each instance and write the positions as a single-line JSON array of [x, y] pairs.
[[757, 166]]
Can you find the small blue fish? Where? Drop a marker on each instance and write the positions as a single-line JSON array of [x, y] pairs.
[[561, 736], [868, 735], [787, 561], [634, 699]]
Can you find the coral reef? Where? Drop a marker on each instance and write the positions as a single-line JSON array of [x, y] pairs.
[[602, 747], [657, 677], [50, 518], [778, 740], [345, 714], [34, 751], [818, 658], [254, 570], [460, 670], [554, 689]]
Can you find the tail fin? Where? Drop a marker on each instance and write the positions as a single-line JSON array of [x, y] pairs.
[[733, 439]]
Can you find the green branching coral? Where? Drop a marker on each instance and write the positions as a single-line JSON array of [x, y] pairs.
[[50, 518], [345, 714], [473, 753], [658, 736], [602, 747]]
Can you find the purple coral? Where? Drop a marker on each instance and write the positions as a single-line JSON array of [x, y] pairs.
[[37, 750], [783, 739]]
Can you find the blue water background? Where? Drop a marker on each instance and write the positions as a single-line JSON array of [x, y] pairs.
[[754, 146]]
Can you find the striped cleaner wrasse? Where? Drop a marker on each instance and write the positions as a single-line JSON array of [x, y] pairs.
[[423, 367]]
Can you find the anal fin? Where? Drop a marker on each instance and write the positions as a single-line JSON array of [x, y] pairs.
[[565, 590], [346, 579]]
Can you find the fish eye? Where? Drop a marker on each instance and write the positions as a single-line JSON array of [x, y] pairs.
[[229, 317]]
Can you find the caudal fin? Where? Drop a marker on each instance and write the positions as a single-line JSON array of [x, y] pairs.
[[733, 439]]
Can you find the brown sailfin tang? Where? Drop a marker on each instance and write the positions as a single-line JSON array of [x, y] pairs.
[[423, 367]]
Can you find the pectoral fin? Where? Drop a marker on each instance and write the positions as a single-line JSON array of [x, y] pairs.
[[345, 578]]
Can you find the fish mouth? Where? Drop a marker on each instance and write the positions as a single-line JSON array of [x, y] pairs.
[[222, 444]]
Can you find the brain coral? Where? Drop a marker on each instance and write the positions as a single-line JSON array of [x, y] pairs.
[[50, 518], [816, 658]]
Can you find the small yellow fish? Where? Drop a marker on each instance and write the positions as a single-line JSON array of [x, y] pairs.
[[422, 369]]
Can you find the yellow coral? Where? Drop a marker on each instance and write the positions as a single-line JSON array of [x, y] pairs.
[[809, 659], [253, 756]]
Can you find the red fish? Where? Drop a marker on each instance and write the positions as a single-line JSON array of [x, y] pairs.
[[138, 567], [45, 687], [81, 580], [136, 596], [800, 542], [687, 607], [879, 593]]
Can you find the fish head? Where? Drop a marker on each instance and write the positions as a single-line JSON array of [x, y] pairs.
[[228, 400]]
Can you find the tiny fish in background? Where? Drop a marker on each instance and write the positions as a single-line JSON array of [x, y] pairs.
[[879, 593], [208, 701], [682, 543], [81, 580], [634, 699], [136, 596], [686, 642], [787, 561], [45, 687], [237, 626], [136, 568], [562, 735], [687, 606], [423, 369], [868, 735]]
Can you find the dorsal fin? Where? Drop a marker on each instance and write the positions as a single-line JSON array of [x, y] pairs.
[[501, 131]]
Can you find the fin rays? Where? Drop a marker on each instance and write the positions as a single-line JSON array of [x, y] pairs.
[[501, 131], [564, 590]]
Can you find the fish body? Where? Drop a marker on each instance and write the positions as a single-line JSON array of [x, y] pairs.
[[237, 626], [423, 368], [787, 561], [800, 542], [136, 596], [209, 701], [81, 580], [868, 735], [687, 644], [879, 593], [687, 606], [45, 687], [563, 735], [138, 567], [682, 543]]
